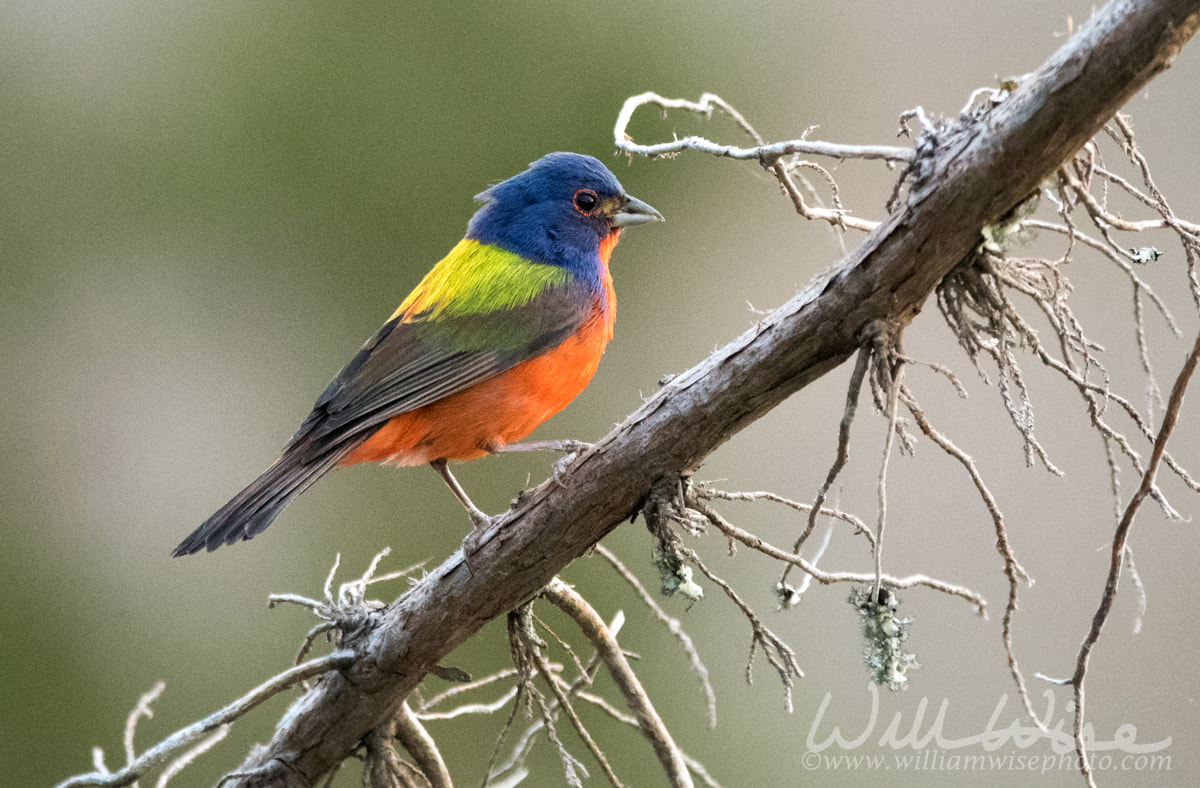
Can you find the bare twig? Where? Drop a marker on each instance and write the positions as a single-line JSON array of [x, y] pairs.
[[189, 756], [192, 734], [420, 745], [843, 451], [525, 646], [1139, 588], [513, 771], [141, 709], [705, 492], [1120, 538], [384, 768], [1118, 256], [673, 625], [885, 356], [459, 689], [779, 654], [568, 708], [593, 628], [1013, 570], [827, 578]]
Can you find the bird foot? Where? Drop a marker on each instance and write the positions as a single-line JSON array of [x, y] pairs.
[[470, 544], [560, 467], [572, 447], [480, 524]]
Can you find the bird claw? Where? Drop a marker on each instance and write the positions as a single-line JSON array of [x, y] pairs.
[[573, 449], [480, 524], [470, 544], [560, 467]]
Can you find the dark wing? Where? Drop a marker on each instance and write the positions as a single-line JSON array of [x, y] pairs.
[[406, 365], [410, 364]]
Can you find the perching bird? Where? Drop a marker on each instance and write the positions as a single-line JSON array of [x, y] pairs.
[[500, 335]]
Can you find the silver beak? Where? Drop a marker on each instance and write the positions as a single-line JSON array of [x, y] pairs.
[[634, 212]]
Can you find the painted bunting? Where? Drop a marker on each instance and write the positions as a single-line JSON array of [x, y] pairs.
[[500, 335]]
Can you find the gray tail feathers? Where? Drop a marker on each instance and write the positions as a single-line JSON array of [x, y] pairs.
[[257, 506]]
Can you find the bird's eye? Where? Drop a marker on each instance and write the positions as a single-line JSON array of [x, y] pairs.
[[586, 200]]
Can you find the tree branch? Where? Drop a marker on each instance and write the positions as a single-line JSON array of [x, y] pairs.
[[963, 178]]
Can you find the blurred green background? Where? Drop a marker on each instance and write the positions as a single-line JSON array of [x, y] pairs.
[[208, 206]]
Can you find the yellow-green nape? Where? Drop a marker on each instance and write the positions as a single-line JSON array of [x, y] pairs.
[[479, 278]]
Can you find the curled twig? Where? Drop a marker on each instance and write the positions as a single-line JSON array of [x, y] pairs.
[[767, 154], [770, 156]]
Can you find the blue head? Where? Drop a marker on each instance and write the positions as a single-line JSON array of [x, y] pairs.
[[558, 211]]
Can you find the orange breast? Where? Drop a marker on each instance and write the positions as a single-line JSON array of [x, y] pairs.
[[496, 411]]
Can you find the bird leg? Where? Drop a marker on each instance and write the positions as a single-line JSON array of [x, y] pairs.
[[570, 448], [479, 520], [567, 446]]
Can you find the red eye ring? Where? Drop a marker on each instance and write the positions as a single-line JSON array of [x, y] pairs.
[[585, 201]]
